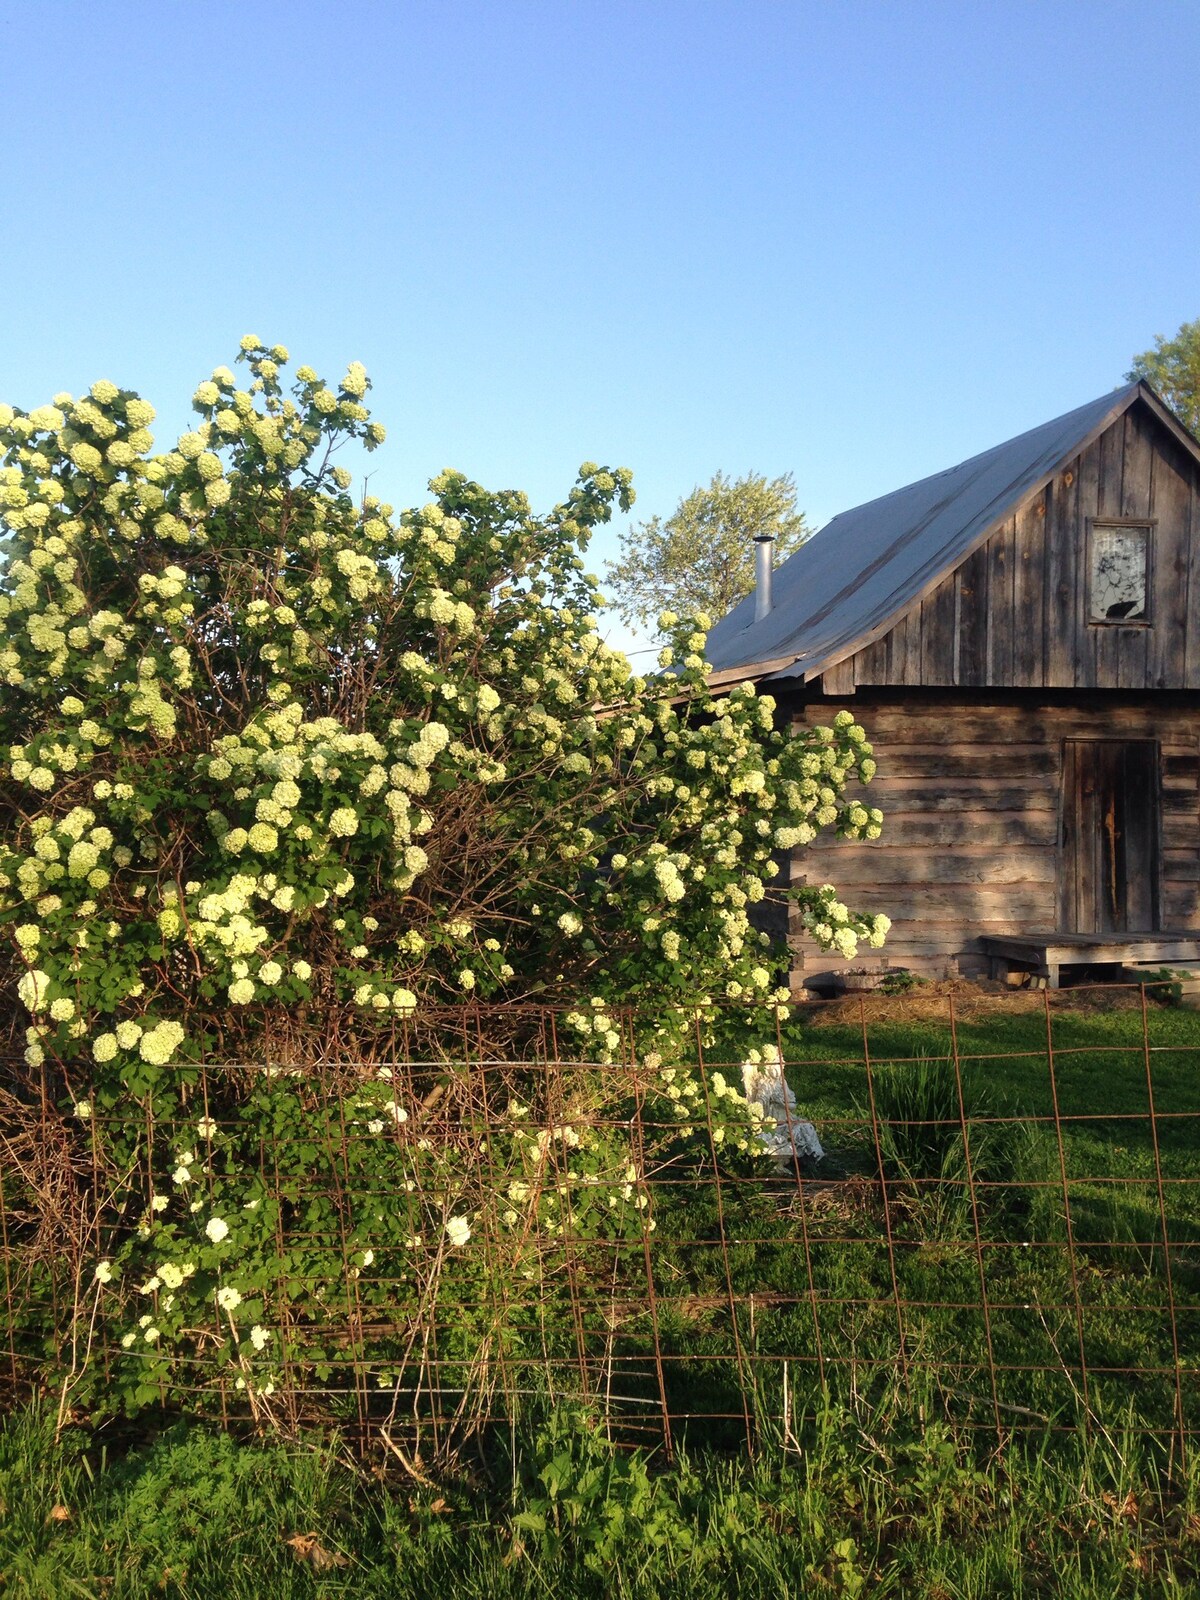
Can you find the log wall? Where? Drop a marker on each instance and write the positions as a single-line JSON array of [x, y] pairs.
[[971, 797]]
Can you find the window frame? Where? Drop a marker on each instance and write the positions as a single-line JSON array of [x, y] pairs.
[[1099, 522]]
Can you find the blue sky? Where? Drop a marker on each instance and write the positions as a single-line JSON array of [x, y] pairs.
[[857, 242]]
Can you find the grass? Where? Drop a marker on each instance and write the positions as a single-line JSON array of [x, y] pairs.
[[862, 1374], [1050, 1278], [848, 1510], [1100, 1075]]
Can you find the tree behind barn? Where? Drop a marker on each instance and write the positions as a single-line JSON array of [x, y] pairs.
[[1172, 369], [701, 558]]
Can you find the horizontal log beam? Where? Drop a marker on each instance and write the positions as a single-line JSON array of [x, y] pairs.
[[958, 794], [986, 725], [968, 904], [919, 866], [962, 829]]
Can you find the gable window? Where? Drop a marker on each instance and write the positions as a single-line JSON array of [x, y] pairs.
[[1120, 575]]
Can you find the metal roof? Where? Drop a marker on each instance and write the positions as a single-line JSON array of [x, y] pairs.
[[868, 565]]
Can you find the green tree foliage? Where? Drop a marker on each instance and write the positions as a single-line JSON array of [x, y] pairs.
[[1172, 369], [701, 558], [283, 776]]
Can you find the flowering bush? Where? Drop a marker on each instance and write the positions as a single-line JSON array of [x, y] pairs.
[[283, 772], [249, 1275]]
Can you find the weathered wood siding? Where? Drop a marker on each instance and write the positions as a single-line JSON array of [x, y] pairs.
[[1015, 613], [971, 797]]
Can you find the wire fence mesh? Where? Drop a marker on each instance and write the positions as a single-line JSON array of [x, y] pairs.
[[1004, 1226]]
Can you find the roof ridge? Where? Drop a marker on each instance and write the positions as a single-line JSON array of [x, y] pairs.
[[981, 455]]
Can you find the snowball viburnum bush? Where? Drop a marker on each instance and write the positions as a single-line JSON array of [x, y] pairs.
[[279, 762], [233, 734]]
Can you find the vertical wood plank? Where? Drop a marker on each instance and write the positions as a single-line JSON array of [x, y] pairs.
[[912, 648], [1088, 866], [1136, 488], [1068, 841], [937, 634], [870, 665], [879, 660], [1170, 505], [1138, 462], [896, 640], [1000, 606], [1133, 653], [1110, 795], [955, 582], [1191, 662], [839, 679], [1112, 460], [972, 619], [1086, 666], [1028, 595], [1047, 519], [1062, 576], [1140, 829]]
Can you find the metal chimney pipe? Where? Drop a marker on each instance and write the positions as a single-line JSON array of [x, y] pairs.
[[764, 556]]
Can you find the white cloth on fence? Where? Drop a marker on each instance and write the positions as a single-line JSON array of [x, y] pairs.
[[764, 1084]]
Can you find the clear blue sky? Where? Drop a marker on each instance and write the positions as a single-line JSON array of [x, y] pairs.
[[854, 241]]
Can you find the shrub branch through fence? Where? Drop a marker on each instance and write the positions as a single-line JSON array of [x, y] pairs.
[[423, 1245]]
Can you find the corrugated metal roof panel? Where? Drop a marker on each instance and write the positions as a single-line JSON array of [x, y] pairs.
[[869, 564]]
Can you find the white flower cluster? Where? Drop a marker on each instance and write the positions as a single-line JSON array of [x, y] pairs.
[[834, 927], [670, 880], [158, 1043], [597, 1027]]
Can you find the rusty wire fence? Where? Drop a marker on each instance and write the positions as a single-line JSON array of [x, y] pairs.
[[1003, 1227]]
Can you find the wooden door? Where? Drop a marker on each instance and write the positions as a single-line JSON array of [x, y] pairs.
[[1108, 879]]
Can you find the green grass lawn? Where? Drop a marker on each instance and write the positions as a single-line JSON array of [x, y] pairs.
[[1060, 1286]]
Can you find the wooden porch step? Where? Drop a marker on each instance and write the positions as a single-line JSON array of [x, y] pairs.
[[1046, 953]]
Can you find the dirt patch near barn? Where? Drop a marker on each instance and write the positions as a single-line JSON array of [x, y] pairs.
[[969, 998]]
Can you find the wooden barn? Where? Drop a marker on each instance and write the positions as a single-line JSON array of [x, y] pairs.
[[1020, 637]]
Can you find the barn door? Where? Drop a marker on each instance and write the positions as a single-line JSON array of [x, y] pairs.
[[1109, 875]]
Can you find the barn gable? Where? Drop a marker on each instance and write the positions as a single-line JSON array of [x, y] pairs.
[[980, 576], [1016, 612]]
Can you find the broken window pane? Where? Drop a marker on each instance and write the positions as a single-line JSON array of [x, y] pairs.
[[1120, 557]]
